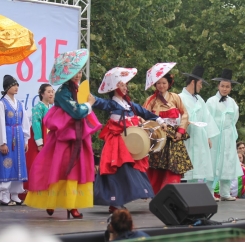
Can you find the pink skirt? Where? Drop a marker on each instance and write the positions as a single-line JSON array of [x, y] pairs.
[[50, 165]]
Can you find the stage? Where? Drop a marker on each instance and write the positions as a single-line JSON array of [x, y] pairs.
[[94, 221]]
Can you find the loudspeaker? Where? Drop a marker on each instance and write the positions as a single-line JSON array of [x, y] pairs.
[[183, 204]]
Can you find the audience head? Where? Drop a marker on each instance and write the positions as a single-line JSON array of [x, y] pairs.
[[121, 221], [241, 157], [240, 146], [118, 223]]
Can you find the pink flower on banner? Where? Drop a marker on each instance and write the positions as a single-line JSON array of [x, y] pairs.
[[66, 70], [102, 86], [159, 73]]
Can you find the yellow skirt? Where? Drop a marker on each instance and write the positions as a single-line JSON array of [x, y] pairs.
[[63, 194]]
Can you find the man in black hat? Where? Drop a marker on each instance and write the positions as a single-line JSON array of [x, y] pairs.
[[198, 146], [223, 108], [14, 135]]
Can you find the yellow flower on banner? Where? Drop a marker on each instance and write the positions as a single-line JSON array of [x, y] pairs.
[[16, 41]]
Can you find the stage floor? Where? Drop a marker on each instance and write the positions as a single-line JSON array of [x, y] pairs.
[[95, 218]]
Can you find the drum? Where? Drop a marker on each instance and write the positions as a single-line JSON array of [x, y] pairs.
[[157, 135], [147, 138]]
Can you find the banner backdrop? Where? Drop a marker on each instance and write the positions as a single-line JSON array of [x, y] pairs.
[[56, 30]]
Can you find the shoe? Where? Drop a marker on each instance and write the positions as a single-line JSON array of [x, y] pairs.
[[75, 214], [228, 198], [216, 199], [50, 211], [19, 203], [10, 203]]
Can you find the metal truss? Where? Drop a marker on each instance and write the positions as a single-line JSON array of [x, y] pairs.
[[85, 24]]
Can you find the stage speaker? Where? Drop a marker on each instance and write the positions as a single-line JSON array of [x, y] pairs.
[[183, 204]]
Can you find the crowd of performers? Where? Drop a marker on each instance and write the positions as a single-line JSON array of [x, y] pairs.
[[58, 168]]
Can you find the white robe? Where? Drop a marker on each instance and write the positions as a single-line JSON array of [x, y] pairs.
[[197, 145], [226, 164]]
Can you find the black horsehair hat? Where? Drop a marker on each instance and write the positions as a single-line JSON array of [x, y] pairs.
[[226, 76], [197, 73], [8, 82]]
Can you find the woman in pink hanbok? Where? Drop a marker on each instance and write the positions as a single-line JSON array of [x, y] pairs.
[[62, 174]]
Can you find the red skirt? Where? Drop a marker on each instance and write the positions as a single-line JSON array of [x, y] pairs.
[[31, 155], [115, 152]]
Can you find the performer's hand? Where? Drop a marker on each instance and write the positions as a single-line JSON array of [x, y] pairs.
[[209, 143], [178, 137], [26, 147], [91, 99], [164, 126], [39, 148], [141, 119], [4, 149]]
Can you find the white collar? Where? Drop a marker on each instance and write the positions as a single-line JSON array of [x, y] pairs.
[[219, 95], [122, 102], [185, 91], [44, 103], [9, 99]]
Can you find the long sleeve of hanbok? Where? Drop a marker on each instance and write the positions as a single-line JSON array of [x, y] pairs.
[[183, 112], [212, 128], [236, 113], [104, 104], [3, 138], [25, 125], [37, 117], [63, 99], [144, 113]]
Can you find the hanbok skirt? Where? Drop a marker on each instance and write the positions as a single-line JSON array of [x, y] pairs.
[[170, 163], [126, 185], [51, 184]]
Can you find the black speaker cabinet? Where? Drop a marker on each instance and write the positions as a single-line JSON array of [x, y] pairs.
[[182, 204]]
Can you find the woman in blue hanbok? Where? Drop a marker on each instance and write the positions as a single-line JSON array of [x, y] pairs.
[[121, 179], [14, 135]]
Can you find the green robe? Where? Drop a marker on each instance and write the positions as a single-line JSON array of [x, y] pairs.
[[197, 146], [38, 113], [226, 164]]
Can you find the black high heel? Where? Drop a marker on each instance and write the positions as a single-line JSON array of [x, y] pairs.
[[50, 211], [75, 214]]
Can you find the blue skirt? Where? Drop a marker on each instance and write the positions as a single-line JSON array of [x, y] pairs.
[[126, 185]]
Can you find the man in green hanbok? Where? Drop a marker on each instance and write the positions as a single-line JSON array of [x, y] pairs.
[[199, 144], [225, 112]]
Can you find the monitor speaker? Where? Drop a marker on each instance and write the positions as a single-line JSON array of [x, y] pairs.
[[183, 204]]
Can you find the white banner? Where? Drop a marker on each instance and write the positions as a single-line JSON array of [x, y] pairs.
[[56, 30]]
